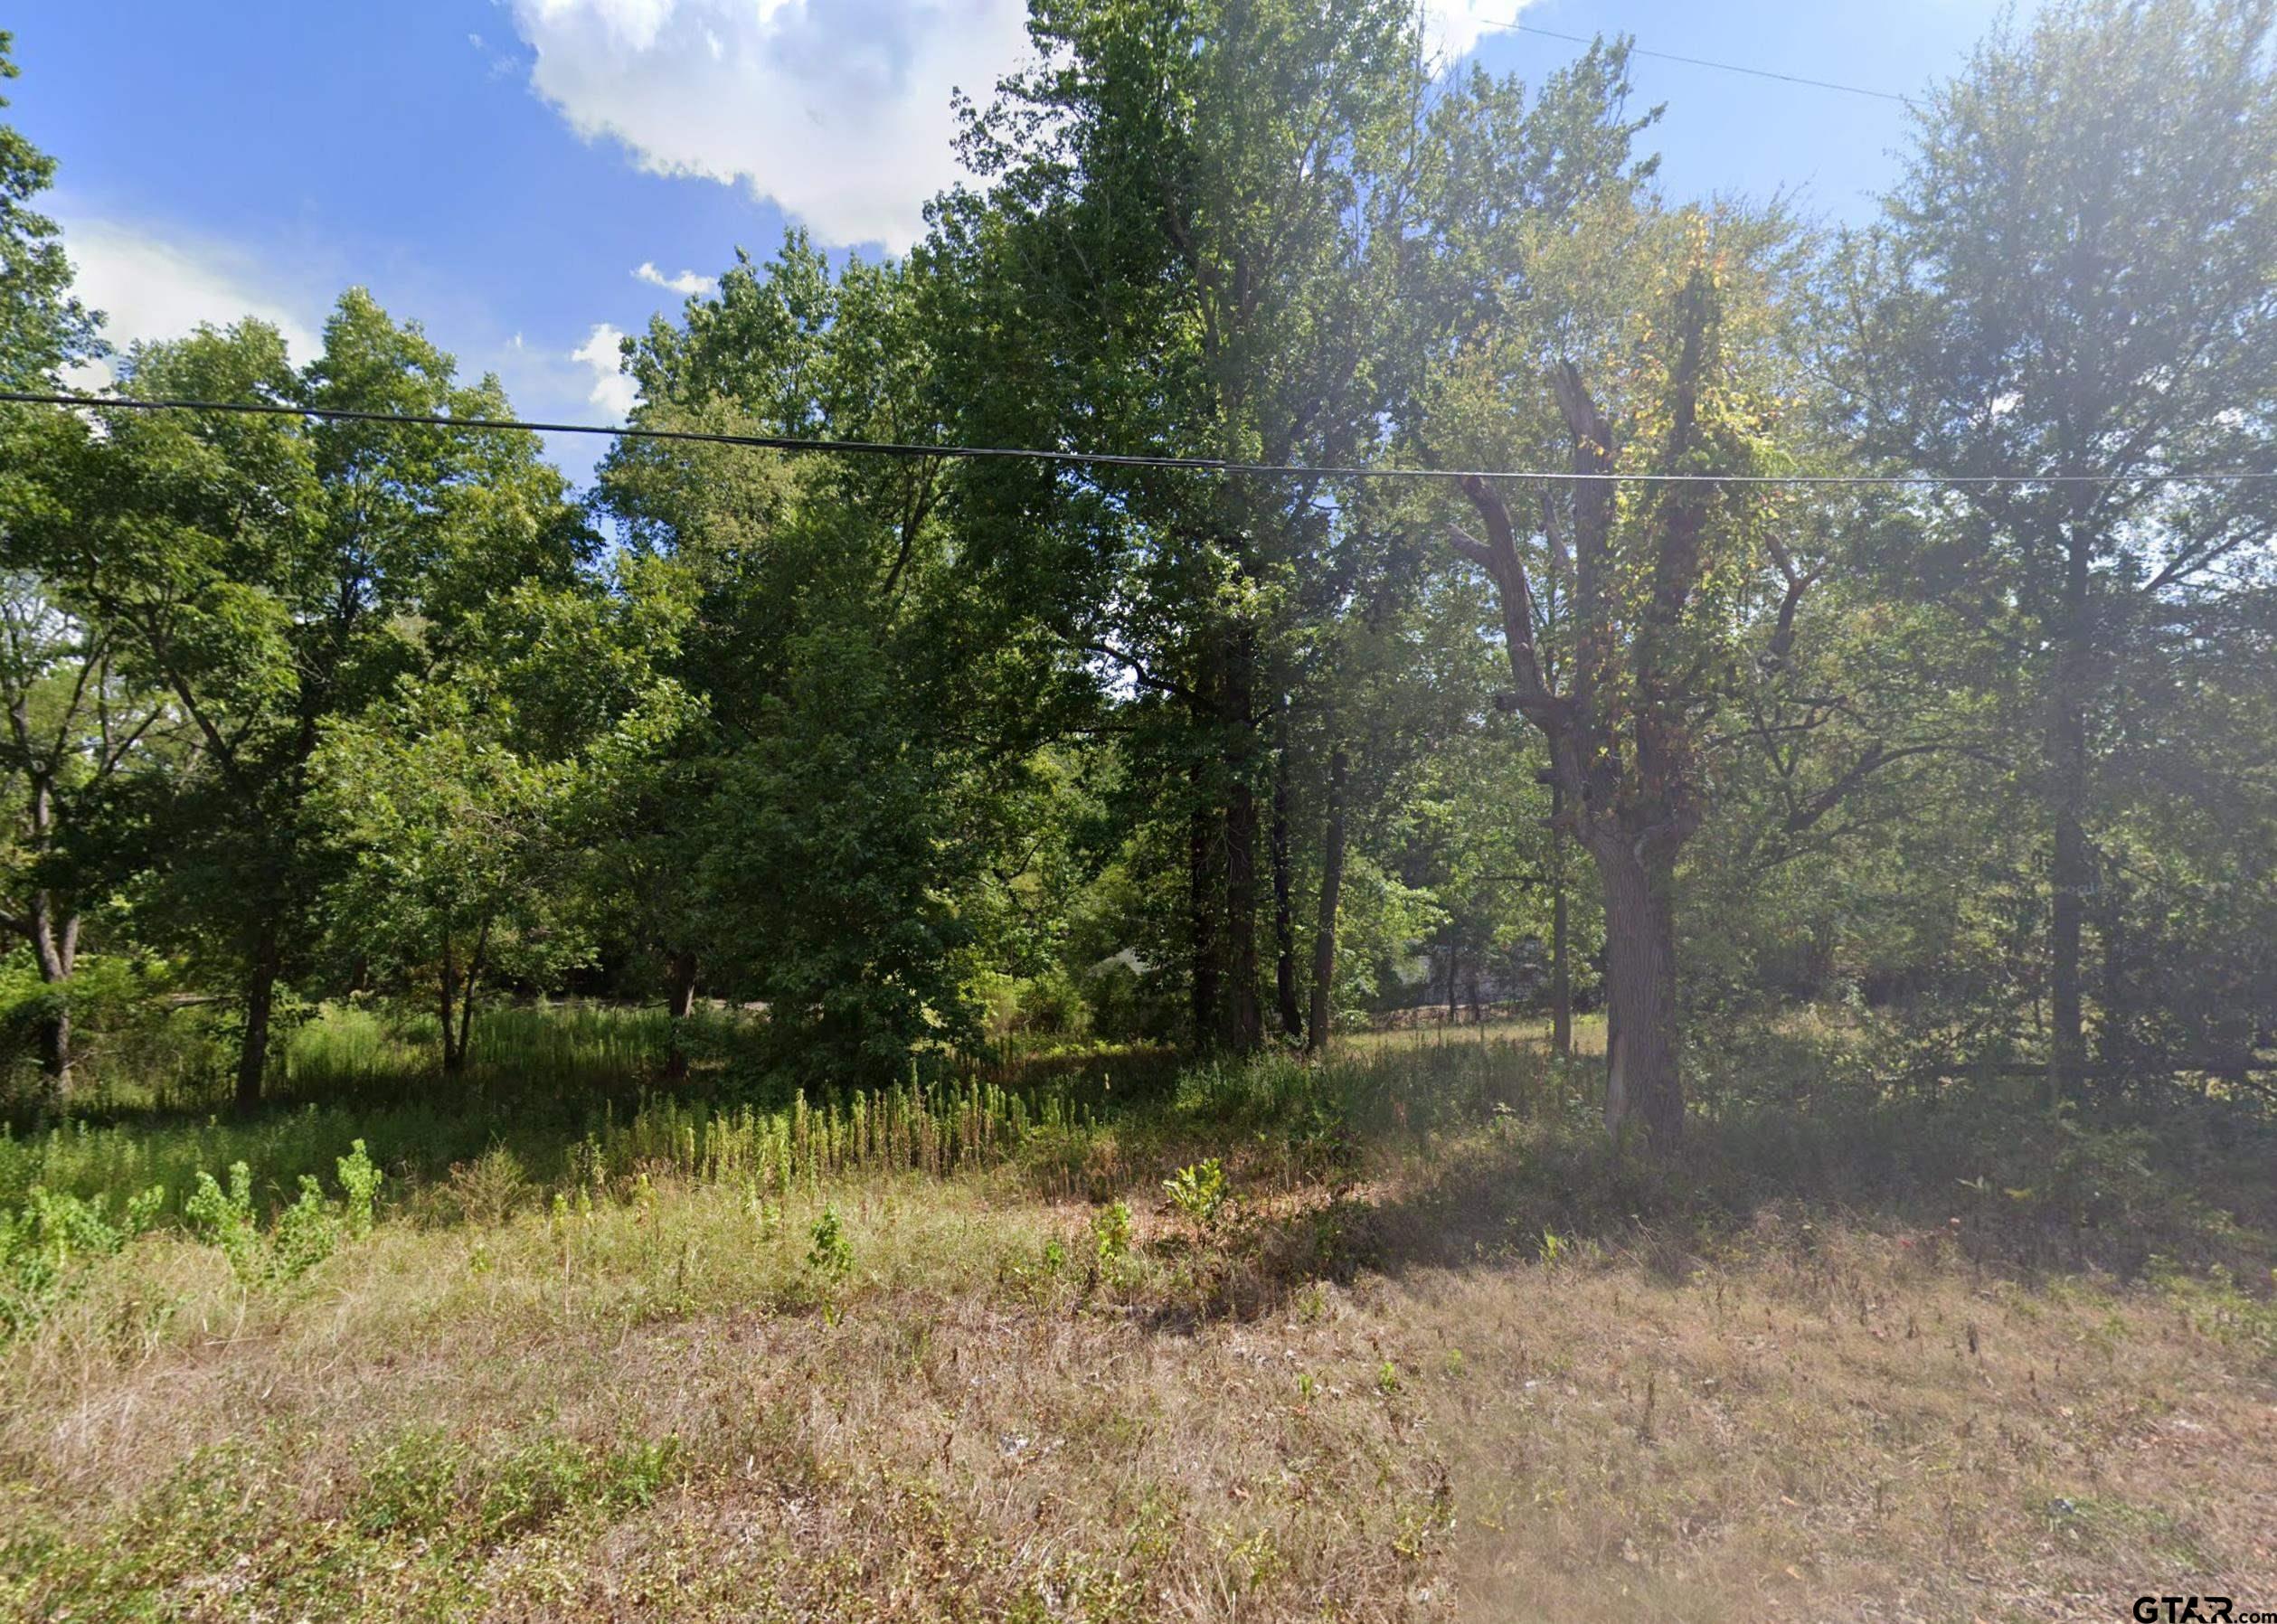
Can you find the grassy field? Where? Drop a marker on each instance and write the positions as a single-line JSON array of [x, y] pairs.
[[1430, 1350]]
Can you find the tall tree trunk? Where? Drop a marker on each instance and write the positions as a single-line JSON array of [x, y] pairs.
[[55, 1053], [448, 986], [1454, 968], [1292, 1020], [680, 989], [1244, 1016], [56, 950], [54, 943], [475, 964], [260, 1000], [682, 972], [1207, 982], [1643, 1083], [1324, 938], [1560, 944], [2068, 1036], [2069, 876], [2119, 1044]]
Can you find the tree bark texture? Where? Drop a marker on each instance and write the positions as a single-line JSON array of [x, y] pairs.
[[1324, 941], [260, 1000], [1292, 1021]]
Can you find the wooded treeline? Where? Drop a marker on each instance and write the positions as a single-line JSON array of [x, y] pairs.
[[913, 749]]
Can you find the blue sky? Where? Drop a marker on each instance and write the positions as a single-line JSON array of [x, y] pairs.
[[503, 170]]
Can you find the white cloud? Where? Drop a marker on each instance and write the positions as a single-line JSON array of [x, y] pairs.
[[687, 282], [151, 287], [1451, 27], [838, 109], [612, 391]]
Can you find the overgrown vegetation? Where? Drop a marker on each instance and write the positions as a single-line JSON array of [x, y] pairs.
[[1383, 1330], [909, 1036], [919, 759]]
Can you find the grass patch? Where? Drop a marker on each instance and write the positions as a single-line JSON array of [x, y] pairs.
[[1393, 1337]]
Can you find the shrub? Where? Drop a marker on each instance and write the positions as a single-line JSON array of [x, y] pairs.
[[491, 1187], [360, 1183], [1199, 1192], [40, 1246], [226, 1219], [831, 1255], [1110, 1232], [305, 1235]]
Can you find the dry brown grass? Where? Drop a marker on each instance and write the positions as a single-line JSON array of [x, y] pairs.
[[450, 1422]]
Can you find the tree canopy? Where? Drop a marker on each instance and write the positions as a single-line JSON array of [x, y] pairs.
[[908, 757]]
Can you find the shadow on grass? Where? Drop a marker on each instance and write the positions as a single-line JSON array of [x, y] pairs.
[[565, 1098], [2017, 1191], [1388, 1156]]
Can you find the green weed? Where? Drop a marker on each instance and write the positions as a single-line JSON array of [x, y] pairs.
[[1199, 1193]]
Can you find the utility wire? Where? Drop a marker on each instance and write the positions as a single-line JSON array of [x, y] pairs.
[[1701, 62], [1119, 460]]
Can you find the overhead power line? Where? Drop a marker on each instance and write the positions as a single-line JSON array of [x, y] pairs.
[[797, 446], [1701, 62]]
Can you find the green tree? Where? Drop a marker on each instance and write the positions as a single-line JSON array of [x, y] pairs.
[[1646, 343], [42, 328], [461, 848], [1213, 229], [1189, 232], [273, 578], [76, 727], [849, 810], [2072, 280], [54, 671]]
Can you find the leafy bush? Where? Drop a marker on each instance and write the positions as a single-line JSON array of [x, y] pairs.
[[360, 1183], [307, 1231], [40, 1246], [831, 1255], [226, 1219], [1111, 1232], [305, 1235], [1199, 1192], [133, 1044]]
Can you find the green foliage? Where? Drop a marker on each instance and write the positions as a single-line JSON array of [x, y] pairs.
[[1199, 1190], [342, 741], [226, 1219], [305, 1234], [278, 578], [1111, 1233], [42, 326], [830, 1259], [2096, 183], [42, 1245], [305, 1231], [461, 849], [360, 1183]]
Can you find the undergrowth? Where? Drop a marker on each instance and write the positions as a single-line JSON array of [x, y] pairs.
[[1263, 1340], [1474, 1148]]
